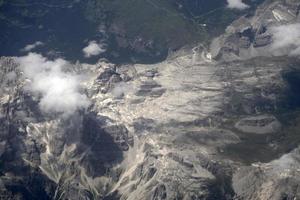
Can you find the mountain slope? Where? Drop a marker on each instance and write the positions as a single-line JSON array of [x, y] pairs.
[[199, 125]]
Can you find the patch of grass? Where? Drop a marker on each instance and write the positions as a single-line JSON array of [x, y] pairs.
[[155, 20]]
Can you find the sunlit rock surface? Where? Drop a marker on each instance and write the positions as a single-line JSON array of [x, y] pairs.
[[252, 36], [191, 127]]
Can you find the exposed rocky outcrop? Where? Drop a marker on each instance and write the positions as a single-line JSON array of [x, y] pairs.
[[190, 127], [251, 36]]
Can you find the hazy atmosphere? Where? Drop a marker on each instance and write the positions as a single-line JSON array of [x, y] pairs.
[[149, 99]]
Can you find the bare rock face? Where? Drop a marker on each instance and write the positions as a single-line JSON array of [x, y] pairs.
[[190, 127], [177, 144], [280, 176], [262, 124], [249, 37]]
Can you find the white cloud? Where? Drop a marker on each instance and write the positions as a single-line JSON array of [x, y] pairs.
[[93, 49], [237, 4], [30, 47], [59, 90], [121, 89], [286, 39]]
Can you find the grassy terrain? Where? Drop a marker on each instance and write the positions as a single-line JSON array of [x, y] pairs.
[[169, 23], [152, 20]]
